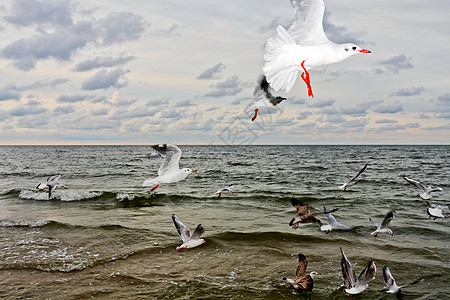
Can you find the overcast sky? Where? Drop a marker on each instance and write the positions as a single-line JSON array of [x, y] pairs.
[[146, 72]]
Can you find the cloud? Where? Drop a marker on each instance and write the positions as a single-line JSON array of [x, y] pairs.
[[102, 62], [9, 95], [389, 127], [213, 72], [360, 109], [71, 98], [38, 84], [31, 108], [64, 109], [105, 79], [389, 108], [413, 91], [121, 27], [339, 34], [230, 87], [395, 64], [322, 103], [99, 111], [385, 121], [34, 12]]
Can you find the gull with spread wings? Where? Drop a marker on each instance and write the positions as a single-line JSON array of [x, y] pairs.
[[302, 280], [344, 185], [189, 240], [356, 285]]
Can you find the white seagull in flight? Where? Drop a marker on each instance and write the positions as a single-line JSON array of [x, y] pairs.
[[189, 240], [169, 171], [332, 223], [344, 185], [426, 190], [356, 285], [52, 184], [391, 285], [226, 190], [303, 46], [383, 228]]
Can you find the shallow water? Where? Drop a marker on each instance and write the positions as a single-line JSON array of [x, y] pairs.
[[107, 237]]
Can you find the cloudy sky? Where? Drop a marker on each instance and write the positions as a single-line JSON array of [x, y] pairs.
[[145, 72]]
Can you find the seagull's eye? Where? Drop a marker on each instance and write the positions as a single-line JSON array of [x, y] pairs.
[[354, 48]]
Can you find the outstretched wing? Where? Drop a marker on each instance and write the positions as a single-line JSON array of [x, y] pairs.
[[302, 208], [182, 230], [335, 182], [388, 278], [308, 24], [198, 232], [171, 156], [415, 183], [388, 218], [374, 223], [302, 265], [359, 173], [348, 273], [370, 272]]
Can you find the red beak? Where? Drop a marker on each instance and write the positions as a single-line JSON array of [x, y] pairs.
[[365, 51], [193, 171]]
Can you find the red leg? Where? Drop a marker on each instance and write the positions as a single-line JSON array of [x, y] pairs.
[[256, 114], [182, 249], [154, 188], [306, 79]]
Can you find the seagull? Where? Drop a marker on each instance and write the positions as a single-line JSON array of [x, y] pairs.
[[189, 241], [169, 171], [391, 285], [303, 215], [302, 280], [332, 223], [225, 190], [437, 211], [425, 189], [262, 98], [356, 285], [303, 46], [383, 228], [344, 185], [52, 184]]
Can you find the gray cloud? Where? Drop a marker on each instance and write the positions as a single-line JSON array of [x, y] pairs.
[[213, 72], [385, 121], [229, 87], [71, 98], [31, 108], [322, 103], [395, 64], [413, 91], [121, 27], [34, 12], [38, 84], [389, 108], [340, 34], [102, 62], [9, 95], [387, 128], [105, 79], [64, 109]]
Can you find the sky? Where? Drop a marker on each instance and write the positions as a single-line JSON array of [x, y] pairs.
[[183, 72]]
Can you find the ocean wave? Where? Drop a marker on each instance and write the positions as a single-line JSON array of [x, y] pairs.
[[31, 224], [65, 196]]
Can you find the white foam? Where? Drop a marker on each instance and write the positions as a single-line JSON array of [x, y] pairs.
[[65, 195]]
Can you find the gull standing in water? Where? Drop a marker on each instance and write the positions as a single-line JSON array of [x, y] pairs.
[[383, 228], [226, 190], [426, 190], [302, 280], [189, 241], [52, 184], [356, 285], [169, 171], [332, 223], [344, 185], [437, 211], [262, 98], [303, 46], [391, 285]]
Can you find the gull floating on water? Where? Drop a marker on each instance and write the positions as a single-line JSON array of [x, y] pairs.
[[169, 171], [303, 46], [226, 190], [356, 285], [383, 228], [52, 184], [391, 285], [332, 223], [189, 241], [302, 280], [262, 98], [344, 185], [426, 190], [303, 214], [437, 211]]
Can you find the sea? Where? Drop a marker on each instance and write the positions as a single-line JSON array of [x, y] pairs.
[[107, 237]]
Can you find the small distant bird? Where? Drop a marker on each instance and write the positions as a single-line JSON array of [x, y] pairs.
[[356, 285], [169, 171], [383, 228], [302, 280], [332, 223], [262, 98], [189, 241], [391, 285], [426, 190], [303, 214], [52, 184], [344, 185], [303, 46], [437, 211], [226, 190]]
